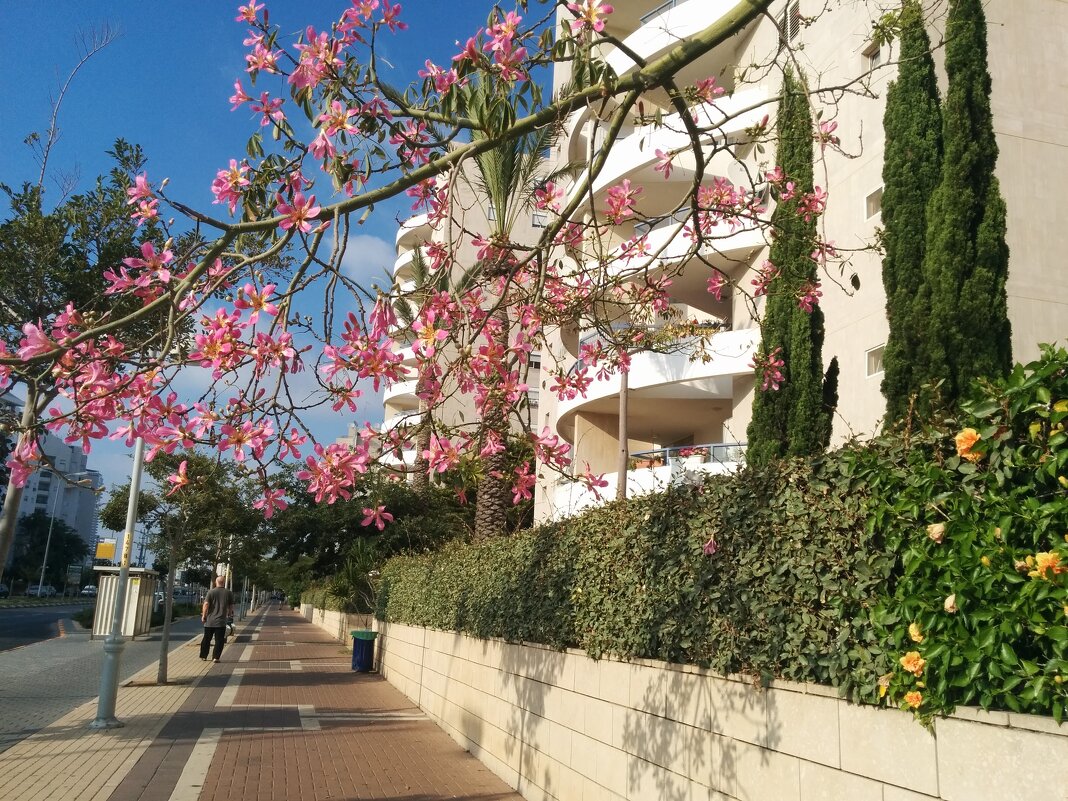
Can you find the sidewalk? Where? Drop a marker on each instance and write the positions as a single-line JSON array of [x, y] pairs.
[[281, 717]]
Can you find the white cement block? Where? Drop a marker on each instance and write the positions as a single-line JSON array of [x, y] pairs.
[[821, 783], [888, 745], [977, 762], [805, 726]]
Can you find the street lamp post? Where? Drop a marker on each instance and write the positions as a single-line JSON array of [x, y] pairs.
[[114, 643], [51, 523]]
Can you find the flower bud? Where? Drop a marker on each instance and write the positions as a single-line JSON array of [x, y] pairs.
[[950, 604], [936, 531]]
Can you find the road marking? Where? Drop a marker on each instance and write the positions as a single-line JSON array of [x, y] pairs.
[[229, 693], [196, 767]]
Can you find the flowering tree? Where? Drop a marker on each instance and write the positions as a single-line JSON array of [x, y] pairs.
[[246, 329]]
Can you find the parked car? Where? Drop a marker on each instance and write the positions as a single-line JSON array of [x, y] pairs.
[[4, 591], [89, 591], [42, 590]]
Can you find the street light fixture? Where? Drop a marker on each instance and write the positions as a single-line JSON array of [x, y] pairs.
[[52, 520]]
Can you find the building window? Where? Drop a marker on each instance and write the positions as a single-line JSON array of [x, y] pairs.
[[874, 361], [873, 204], [790, 22], [539, 219], [873, 56], [534, 361], [656, 12], [491, 213]]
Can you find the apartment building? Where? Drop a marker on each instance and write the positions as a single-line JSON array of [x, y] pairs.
[[47, 493], [691, 415]]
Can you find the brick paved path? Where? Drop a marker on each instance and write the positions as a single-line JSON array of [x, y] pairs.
[[281, 717]]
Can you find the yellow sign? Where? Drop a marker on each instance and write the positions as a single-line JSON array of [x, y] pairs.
[[105, 549]]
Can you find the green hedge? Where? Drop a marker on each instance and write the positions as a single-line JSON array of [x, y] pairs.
[[819, 568]]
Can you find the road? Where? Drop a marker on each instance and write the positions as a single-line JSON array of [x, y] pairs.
[[43, 681], [24, 626]]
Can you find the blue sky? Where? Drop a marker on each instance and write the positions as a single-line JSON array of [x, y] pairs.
[[164, 84]]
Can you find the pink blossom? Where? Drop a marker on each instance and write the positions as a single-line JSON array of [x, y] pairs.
[[707, 89], [826, 134], [141, 190], [270, 502], [299, 213], [769, 369], [663, 163], [389, 18], [549, 196], [271, 109], [338, 119], [710, 547], [377, 515], [34, 342], [589, 14], [716, 284], [523, 484], [442, 454], [765, 275], [809, 296], [178, 480], [247, 13], [621, 199], [228, 184]]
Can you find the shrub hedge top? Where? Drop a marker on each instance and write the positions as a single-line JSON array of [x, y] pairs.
[[924, 570]]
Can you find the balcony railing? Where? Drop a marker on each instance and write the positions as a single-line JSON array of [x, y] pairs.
[[690, 455]]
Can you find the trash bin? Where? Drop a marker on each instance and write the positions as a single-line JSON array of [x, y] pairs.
[[363, 650]]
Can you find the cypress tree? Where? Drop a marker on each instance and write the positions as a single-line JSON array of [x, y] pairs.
[[788, 421], [912, 122], [966, 263]]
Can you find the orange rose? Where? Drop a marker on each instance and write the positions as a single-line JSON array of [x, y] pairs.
[[913, 699], [913, 662], [915, 633], [965, 440]]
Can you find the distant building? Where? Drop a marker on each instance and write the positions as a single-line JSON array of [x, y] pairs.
[[45, 492]]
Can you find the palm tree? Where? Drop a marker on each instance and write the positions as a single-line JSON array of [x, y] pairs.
[[508, 176]]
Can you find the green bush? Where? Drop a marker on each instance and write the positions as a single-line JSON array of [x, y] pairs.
[[976, 512], [817, 568]]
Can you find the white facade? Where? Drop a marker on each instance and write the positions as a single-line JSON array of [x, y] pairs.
[[47, 493], [692, 415], [678, 407]]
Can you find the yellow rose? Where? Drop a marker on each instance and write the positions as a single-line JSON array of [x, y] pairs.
[[1047, 563], [913, 699], [936, 531], [913, 662], [914, 632], [986, 561], [965, 440]]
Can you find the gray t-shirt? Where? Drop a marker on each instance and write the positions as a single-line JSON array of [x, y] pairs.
[[219, 601]]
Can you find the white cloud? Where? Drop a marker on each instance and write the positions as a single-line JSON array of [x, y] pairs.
[[369, 259]]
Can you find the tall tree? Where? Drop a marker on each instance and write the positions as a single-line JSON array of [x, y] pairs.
[[789, 420], [912, 162], [967, 260], [507, 176]]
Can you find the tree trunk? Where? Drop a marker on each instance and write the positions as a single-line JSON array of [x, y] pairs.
[[493, 500], [10, 514], [623, 437]]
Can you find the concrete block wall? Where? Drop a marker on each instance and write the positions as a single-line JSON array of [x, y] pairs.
[[559, 725]]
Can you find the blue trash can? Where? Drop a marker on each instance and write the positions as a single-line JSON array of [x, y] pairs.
[[363, 650]]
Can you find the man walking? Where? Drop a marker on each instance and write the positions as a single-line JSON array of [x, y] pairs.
[[218, 605]]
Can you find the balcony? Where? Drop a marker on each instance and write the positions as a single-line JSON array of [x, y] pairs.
[[635, 152], [401, 395], [414, 230], [667, 243], [653, 471], [673, 375], [664, 27]]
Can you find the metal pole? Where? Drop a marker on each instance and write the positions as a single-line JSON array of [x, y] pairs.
[[48, 540], [113, 645]]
